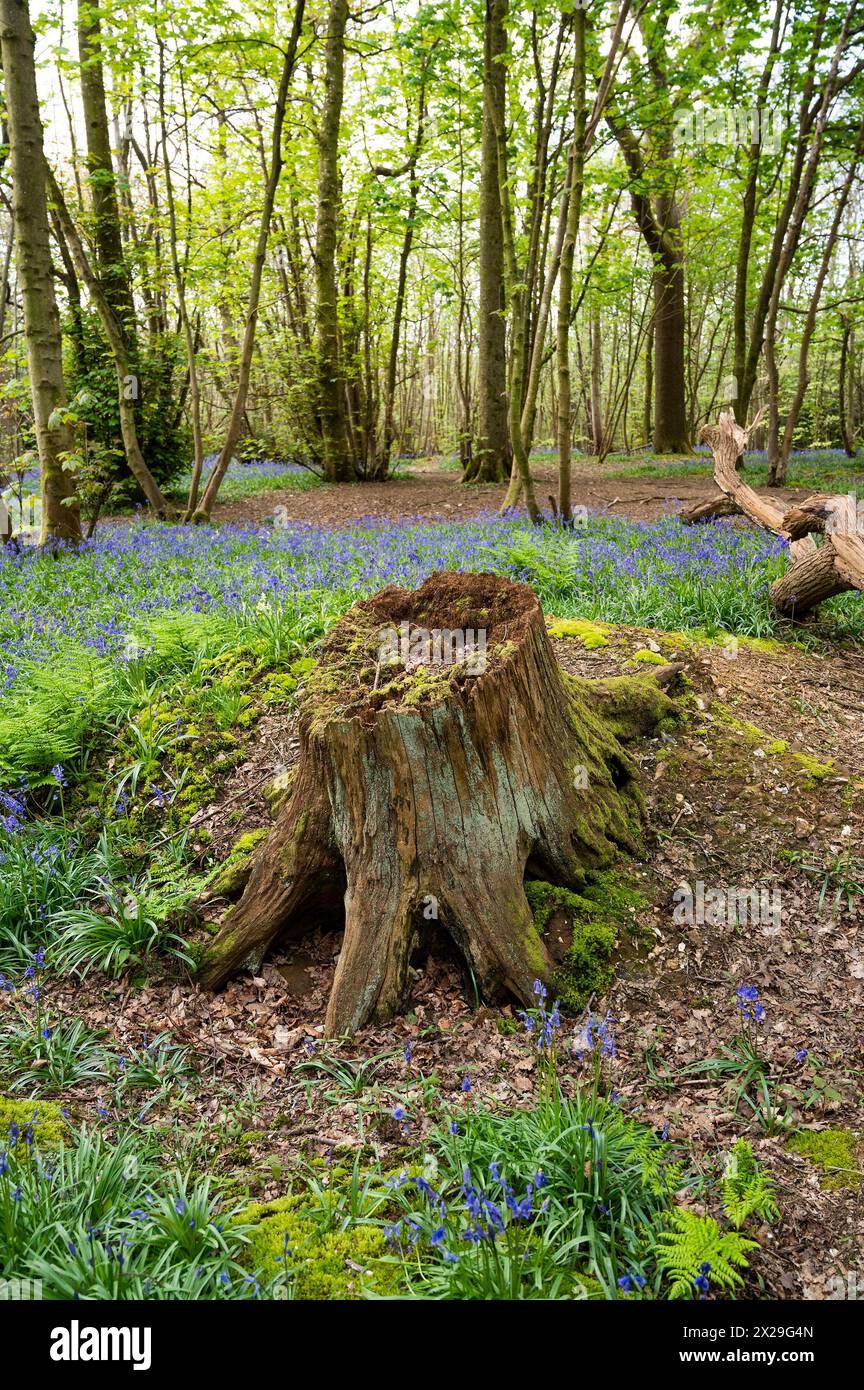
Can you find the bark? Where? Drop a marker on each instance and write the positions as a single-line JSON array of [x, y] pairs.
[[576, 173], [648, 398], [107, 234], [331, 409], [660, 227], [382, 460], [816, 572], [810, 318], [244, 372], [598, 431], [844, 392], [490, 461], [776, 462], [117, 343], [180, 286], [743, 390], [516, 294], [60, 512], [431, 792]]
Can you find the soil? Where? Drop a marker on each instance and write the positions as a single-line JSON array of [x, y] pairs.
[[436, 494]]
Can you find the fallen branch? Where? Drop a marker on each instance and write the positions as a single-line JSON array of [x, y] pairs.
[[816, 572]]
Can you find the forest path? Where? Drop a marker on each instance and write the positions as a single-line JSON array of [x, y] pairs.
[[436, 493]]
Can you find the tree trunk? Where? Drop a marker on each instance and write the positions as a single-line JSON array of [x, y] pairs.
[[60, 514], [670, 406], [828, 245], [107, 236], [241, 393], [844, 391], [576, 175], [126, 381], [331, 412], [426, 789], [598, 429], [491, 459]]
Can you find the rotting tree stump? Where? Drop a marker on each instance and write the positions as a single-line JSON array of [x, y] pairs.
[[430, 786]]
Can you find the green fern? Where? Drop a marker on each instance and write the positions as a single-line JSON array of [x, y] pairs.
[[694, 1249], [746, 1189]]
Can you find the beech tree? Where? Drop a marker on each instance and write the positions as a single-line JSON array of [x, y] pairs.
[[60, 513]]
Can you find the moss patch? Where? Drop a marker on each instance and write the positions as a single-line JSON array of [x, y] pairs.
[[232, 875], [837, 1152], [591, 635], [816, 771], [645, 654], [46, 1117], [322, 1265], [596, 916]]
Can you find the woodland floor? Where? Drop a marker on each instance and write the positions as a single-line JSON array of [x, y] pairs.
[[722, 808], [435, 493]]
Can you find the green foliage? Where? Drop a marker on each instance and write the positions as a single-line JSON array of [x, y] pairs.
[[575, 1190], [38, 1057], [746, 1189], [163, 431], [101, 1220], [596, 917], [837, 1152], [318, 1263], [694, 1248]]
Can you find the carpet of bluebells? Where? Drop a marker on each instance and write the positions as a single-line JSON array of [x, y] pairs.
[[659, 574]]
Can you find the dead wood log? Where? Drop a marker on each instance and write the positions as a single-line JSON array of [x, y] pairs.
[[816, 572], [428, 789]]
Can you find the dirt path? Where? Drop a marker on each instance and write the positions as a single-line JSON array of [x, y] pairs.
[[436, 494]]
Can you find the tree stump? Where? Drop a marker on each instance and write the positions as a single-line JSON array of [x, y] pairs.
[[434, 775]]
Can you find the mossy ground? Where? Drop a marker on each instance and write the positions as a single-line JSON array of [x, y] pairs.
[[598, 916], [45, 1117], [319, 1264], [837, 1153], [591, 635]]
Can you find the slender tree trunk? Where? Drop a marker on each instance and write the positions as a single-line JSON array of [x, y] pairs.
[[238, 408], [107, 234], [776, 461], [518, 316], [60, 512], [126, 380], [670, 405], [648, 401], [598, 429], [491, 457], [810, 320], [180, 285], [748, 222], [331, 412], [382, 461], [565, 285], [844, 393]]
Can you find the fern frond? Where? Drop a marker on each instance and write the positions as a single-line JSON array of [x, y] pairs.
[[695, 1249], [746, 1189]]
